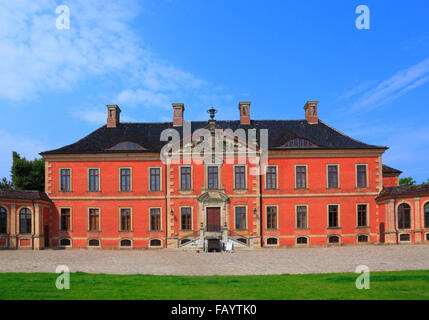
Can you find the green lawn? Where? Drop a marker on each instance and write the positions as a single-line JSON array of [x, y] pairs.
[[384, 285]]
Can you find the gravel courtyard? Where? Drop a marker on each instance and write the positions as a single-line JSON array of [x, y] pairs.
[[249, 262]]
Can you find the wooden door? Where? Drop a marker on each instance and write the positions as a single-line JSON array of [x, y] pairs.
[[213, 220], [382, 232]]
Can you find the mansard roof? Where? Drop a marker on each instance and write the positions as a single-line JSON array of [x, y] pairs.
[[147, 135], [32, 195]]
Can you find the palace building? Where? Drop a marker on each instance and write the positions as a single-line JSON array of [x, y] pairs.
[[262, 183]]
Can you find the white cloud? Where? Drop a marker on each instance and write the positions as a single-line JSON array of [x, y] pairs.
[[388, 90], [37, 58]]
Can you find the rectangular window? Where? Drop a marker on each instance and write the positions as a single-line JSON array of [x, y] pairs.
[[185, 178], [65, 219], [332, 216], [271, 178], [155, 219], [301, 177], [125, 176], [65, 180], [332, 177], [126, 219], [240, 177], [212, 173], [155, 178], [362, 215], [271, 217], [301, 217], [94, 176], [361, 176], [186, 219], [240, 218], [94, 219]]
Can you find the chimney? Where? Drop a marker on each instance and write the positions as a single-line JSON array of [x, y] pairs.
[[244, 107], [178, 108], [113, 115], [311, 112]]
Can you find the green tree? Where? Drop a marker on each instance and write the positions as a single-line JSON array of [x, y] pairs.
[[28, 174], [407, 181], [6, 184], [427, 182]]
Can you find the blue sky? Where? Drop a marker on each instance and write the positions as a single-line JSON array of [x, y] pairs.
[[143, 55]]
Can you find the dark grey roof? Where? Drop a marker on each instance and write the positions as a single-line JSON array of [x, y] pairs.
[[387, 170], [391, 192], [24, 195], [148, 135]]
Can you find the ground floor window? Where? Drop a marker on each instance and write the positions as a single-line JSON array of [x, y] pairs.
[[404, 216], [186, 219], [426, 208], [125, 219], [240, 218], [94, 220], [65, 219], [301, 217], [362, 220], [25, 221], [427, 236], [155, 219], [333, 216], [271, 217], [3, 220]]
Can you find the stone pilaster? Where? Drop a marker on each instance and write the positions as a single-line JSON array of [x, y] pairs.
[[12, 238]]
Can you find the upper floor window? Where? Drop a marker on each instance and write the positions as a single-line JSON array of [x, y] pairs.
[[333, 216], [3, 220], [240, 218], [155, 219], [240, 177], [271, 217], [65, 180], [212, 173], [301, 217], [271, 178], [155, 179], [185, 178], [362, 219], [361, 176], [404, 216], [186, 219], [125, 177], [426, 208], [127, 145], [65, 219], [94, 219], [25, 221], [301, 177], [125, 219], [94, 180], [332, 176]]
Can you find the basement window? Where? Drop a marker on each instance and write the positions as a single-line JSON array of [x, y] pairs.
[[302, 240], [333, 239]]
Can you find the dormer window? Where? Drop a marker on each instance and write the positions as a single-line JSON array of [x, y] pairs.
[[299, 143], [126, 145]]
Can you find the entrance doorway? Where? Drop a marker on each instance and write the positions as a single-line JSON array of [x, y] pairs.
[[213, 220], [213, 245]]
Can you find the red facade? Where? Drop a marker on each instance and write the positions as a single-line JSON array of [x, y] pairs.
[[122, 195]]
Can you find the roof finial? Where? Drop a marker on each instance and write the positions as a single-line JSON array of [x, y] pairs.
[[212, 111]]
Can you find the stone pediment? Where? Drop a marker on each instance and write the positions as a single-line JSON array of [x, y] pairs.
[[213, 196]]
